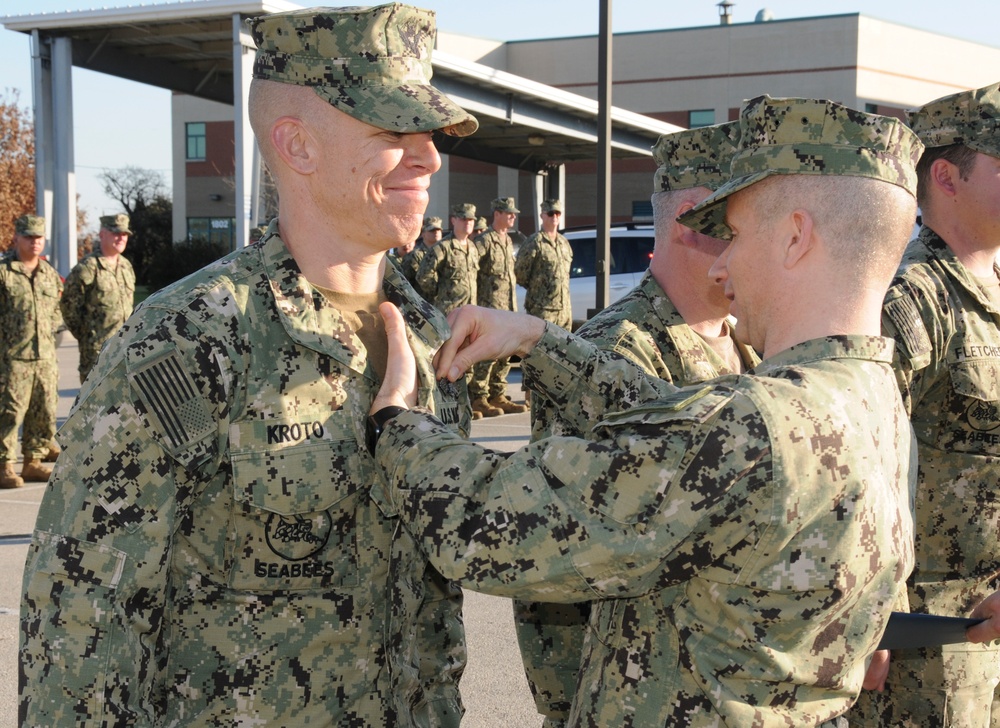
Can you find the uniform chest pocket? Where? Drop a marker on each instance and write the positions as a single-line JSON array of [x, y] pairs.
[[297, 490], [972, 421]]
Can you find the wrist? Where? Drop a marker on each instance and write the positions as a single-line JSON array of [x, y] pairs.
[[377, 422]]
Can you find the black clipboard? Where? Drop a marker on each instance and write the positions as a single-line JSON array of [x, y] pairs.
[[908, 631]]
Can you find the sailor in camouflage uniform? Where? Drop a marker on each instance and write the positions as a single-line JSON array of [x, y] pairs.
[[100, 292], [29, 374], [410, 264], [542, 269], [448, 271], [746, 538], [944, 310], [496, 288], [217, 547], [649, 327]]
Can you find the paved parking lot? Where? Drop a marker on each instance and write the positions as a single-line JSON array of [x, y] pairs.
[[494, 688]]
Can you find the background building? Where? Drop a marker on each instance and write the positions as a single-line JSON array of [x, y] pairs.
[[686, 77]]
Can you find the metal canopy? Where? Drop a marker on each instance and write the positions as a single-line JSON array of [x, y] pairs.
[[188, 47]]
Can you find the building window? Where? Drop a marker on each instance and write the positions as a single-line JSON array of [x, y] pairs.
[[212, 229], [871, 108], [701, 117], [195, 141]]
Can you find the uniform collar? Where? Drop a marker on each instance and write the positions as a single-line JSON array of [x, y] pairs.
[[938, 248], [845, 346]]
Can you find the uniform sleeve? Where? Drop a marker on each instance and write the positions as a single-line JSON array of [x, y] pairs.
[[668, 489], [73, 298], [524, 263], [910, 317], [137, 448]]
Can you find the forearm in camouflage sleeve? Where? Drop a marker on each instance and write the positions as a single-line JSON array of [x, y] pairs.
[[71, 303], [584, 382], [566, 519]]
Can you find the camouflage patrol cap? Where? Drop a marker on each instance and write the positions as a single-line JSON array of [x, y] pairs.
[[971, 118], [433, 223], [481, 224], [371, 63], [552, 205], [809, 136], [504, 204], [695, 157], [464, 210], [32, 226], [116, 223]]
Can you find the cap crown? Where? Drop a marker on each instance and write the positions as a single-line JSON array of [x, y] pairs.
[[371, 63], [116, 223], [552, 205], [971, 118], [695, 157], [465, 210], [30, 225], [433, 223], [504, 204]]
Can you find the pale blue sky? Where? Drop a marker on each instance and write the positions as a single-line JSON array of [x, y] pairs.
[[119, 123]]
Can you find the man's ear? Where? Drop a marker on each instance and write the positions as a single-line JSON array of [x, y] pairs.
[[943, 175], [688, 237], [800, 237], [293, 142]]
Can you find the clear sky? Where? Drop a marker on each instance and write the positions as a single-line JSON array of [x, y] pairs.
[[120, 123]]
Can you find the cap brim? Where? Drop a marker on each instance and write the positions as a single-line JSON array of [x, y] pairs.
[[409, 108], [987, 145], [709, 216]]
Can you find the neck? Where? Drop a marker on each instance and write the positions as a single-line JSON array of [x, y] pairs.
[[831, 312], [30, 262], [328, 261], [976, 255]]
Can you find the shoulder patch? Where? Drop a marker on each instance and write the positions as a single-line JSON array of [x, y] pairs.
[[172, 400], [906, 326], [696, 404]]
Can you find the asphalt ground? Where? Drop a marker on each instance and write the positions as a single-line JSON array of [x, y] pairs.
[[494, 688]]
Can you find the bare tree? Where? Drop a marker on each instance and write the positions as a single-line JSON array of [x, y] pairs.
[[134, 187], [17, 164]]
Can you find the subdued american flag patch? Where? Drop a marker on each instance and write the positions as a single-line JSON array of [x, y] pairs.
[[173, 401]]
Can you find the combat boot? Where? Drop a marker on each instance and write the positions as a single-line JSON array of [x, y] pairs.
[[35, 472], [53, 453], [507, 405], [484, 408], [8, 478]]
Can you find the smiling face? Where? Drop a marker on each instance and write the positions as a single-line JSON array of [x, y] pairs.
[[372, 183]]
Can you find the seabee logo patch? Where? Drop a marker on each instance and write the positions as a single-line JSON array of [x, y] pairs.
[[294, 538]]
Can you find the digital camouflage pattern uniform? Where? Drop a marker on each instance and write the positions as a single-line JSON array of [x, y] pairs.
[[750, 584], [218, 547], [947, 334], [449, 270], [744, 546], [409, 264], [542, 270], [644, 327], [98, 299], [29, 374], [495, 288]]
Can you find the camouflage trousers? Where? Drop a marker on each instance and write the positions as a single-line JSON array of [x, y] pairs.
[[489, 379], [954, 686], [550, 637], [28, 386]]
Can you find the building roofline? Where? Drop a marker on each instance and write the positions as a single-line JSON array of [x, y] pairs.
[[179, 10]]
